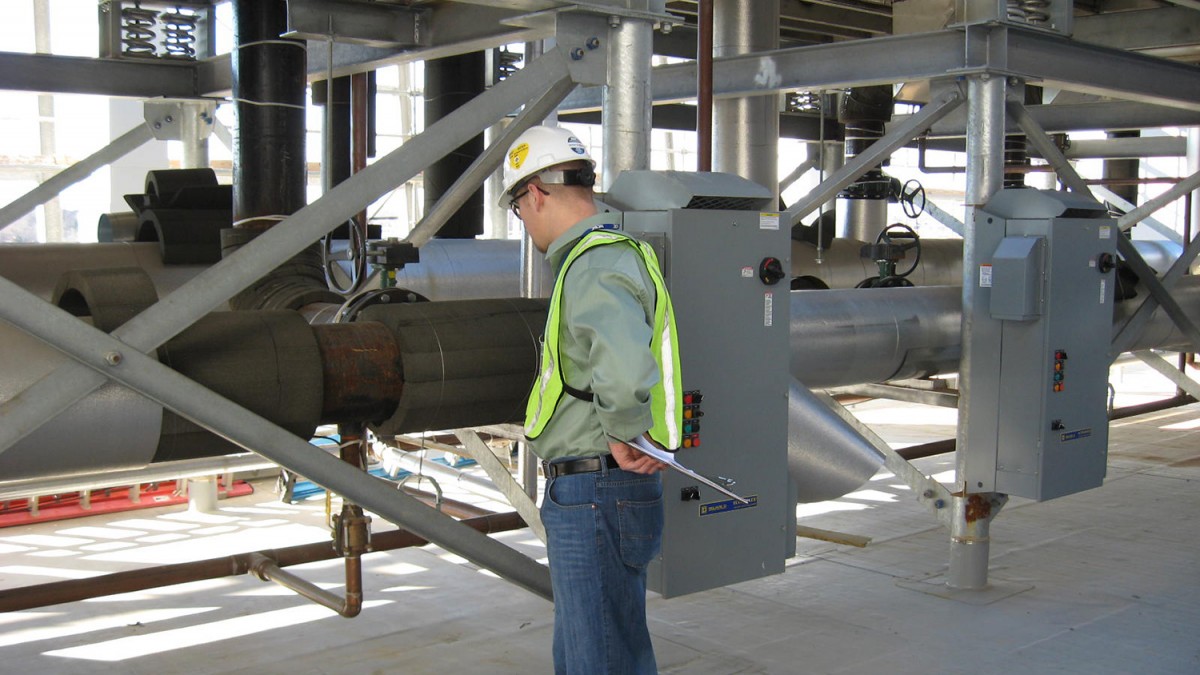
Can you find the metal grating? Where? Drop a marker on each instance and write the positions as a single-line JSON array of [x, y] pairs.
[[725, 203]]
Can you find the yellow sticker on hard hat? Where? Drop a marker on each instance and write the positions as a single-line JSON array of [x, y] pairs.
[[516, 156]]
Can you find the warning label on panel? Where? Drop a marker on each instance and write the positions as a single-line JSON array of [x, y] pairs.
[[985, 276], [768, 309], [768, 221]]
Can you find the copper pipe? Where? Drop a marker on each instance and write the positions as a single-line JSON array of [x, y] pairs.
[[704, 85], [358, 135], [266, 569], [74, 590]]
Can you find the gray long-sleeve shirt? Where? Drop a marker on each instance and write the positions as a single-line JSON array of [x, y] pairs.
[[605, 325]]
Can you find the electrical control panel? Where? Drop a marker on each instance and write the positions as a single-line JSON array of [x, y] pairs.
[[1038, 360], [733, 319]]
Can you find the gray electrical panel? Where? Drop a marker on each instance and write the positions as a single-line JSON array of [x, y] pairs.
[[1043, 299], [726, 270]]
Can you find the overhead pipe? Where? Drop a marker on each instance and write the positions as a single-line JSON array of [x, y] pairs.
[[270, 172], [451, 83]]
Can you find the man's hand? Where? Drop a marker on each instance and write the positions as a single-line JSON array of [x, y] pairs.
[[631, 459]]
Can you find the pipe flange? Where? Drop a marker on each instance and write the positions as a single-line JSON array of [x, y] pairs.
[[350, 310]]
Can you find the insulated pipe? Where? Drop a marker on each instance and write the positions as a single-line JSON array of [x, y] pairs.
[[450, 83], [746, 129], [625, 116], [269, 83], [270, 173]]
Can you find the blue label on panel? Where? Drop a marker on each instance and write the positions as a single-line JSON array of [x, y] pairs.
[[1074, 435], [727, 505]]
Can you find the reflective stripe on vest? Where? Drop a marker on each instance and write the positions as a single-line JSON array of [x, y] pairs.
[[666, 397]]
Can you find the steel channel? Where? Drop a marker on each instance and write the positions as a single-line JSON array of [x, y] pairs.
[[113, 358], [51, 395]]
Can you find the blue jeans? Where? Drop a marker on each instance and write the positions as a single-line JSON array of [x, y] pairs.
[[602, 529]]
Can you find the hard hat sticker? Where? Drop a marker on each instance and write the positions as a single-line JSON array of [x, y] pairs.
[[517, 155], [576, 145]]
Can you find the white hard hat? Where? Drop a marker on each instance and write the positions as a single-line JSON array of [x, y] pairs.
[[538, 149]]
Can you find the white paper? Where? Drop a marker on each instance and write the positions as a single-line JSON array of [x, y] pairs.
[[668, 458]]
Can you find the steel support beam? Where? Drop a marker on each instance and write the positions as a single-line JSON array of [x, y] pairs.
[[121, 146], [69, 383], [108, 357], [873, 155], [136, 78], [1067, 117], [1009, 51]]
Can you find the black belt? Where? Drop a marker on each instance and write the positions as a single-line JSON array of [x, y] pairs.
[[585, 465]]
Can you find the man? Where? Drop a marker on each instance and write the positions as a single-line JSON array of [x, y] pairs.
[[609, 374]]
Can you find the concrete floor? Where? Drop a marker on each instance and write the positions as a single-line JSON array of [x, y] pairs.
[[1105, 581]]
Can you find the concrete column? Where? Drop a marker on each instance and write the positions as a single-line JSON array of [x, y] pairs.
[[746, 130]]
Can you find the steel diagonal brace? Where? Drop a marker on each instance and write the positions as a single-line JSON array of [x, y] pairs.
[[1158, 292], [1129, 331], [121, 146], [876, 153], [1176, 376], [503, 480], [929, 492], [1142, 212], [485, 164], [54, 393], [1049, 151], [111, 358]]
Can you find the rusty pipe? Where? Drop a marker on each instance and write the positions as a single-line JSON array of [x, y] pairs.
[[74, 590], [268, 570], [704, 85]]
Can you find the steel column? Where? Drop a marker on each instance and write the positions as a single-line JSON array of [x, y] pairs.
[[969, 540], [121, 146], [53, 394], [110, 357], [746, 129], [626, 110]]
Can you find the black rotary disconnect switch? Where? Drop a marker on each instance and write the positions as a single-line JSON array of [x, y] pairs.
[[770, 271], [1105, 263]]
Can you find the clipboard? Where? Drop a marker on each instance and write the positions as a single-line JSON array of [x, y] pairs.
[[646, 448]]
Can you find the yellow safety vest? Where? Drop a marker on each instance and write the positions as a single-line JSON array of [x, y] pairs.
[[666, 397]]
